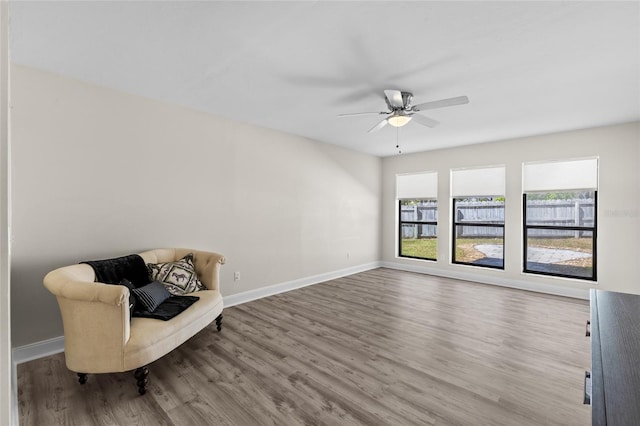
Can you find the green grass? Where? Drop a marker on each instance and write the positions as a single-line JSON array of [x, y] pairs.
[[425, 248], [465, 251]]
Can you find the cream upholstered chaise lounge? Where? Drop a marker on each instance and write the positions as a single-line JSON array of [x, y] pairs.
[[101, 337]]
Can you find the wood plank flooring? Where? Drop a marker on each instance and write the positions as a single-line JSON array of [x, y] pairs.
[[381, 347]]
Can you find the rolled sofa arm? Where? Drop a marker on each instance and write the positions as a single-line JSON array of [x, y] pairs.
[[95, 318], [208, 268], [76, 283]]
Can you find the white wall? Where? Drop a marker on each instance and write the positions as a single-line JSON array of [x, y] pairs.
[[99, 173], [618, 148]]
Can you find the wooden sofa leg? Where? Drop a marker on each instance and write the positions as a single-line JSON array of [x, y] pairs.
[[82, 378], [141, 379], [219, 322]]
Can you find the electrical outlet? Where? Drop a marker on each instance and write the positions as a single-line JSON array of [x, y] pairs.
[[236, 276]]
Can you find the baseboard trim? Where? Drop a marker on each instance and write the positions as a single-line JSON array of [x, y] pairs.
[[38, 350], [576, 293], [248, 296]]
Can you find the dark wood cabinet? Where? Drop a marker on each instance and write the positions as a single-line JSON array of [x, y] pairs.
[[615, 358]]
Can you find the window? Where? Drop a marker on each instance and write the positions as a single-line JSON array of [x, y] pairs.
[[560, 218], [418, 229], [418, 215], [478, 216]]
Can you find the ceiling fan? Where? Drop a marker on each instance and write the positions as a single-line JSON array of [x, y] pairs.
[[401, 111]]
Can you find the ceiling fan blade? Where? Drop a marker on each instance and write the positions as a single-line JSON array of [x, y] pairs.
[[425, 121], [355, 114], [395, 98], [460, 100], [378, 126]]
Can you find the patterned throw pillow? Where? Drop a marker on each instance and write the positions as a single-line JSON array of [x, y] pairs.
[[178, 277]]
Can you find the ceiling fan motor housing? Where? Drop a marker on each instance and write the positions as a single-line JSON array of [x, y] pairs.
[[406, 100], [407, 97]]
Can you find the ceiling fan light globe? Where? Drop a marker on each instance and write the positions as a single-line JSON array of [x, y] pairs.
[[399, 120]]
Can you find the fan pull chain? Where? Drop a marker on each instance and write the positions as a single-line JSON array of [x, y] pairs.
[[397, 140]]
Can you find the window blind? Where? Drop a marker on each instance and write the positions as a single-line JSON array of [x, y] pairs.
[[486, 181], [560, 175], [411, 186]]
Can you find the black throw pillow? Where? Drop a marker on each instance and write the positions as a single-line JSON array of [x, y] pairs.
[[151, 295]]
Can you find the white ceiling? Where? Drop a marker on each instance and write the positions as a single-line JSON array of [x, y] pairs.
[[527, 67]]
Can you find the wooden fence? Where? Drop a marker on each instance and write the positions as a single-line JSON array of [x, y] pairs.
[[560, 213], [539, 212]]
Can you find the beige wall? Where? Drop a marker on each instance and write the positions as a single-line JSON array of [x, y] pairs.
[[98, 173], [619, 208]]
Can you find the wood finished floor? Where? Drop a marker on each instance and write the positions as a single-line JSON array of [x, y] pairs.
[[382, 347]]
